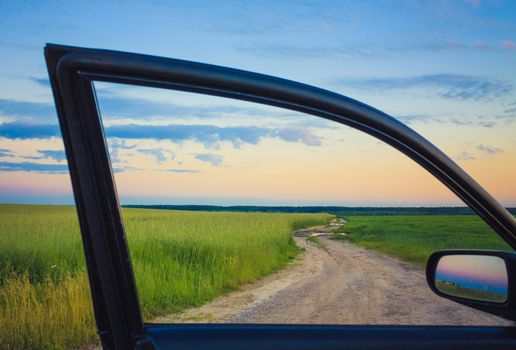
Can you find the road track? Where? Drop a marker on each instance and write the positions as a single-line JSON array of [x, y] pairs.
[[336, 282]]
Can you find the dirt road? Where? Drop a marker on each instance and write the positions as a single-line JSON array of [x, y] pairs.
[[335, 282]]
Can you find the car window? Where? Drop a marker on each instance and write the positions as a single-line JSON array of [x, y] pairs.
[[242, 213]]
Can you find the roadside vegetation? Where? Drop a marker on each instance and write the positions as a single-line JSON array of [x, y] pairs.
[[181, 259], [414, 238], [471, 293]]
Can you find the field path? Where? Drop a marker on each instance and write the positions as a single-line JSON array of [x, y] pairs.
[[336, 282]]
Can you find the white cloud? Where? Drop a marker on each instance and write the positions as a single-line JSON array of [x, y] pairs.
[[508, 44]]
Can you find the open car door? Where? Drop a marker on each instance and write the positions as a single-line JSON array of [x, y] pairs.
[[119, 320]]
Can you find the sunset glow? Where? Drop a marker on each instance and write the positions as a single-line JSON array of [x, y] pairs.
[[451, 78]]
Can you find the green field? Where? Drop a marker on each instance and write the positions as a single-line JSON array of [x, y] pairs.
[[414, 238], [470, 293], [180, 258]]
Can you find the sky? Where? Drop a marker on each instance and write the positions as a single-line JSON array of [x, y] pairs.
[[445, 68]]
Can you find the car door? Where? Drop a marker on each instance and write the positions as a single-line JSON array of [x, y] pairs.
[[118, 314]]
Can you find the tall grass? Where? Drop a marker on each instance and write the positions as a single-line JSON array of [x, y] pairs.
[[180, 259], [414, 238], [198, 255], [47, 315]]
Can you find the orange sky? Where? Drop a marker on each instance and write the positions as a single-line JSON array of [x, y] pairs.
[[346, 168]]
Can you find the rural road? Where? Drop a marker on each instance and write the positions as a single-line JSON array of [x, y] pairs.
[[336, 282]]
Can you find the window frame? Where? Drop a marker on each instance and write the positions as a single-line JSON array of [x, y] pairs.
[[72, 72]]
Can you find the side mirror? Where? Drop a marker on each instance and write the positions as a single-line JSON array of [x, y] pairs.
[[481, 279]]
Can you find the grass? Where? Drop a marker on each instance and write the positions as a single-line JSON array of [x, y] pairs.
[[180, 258], [470, 293], [414, 238]]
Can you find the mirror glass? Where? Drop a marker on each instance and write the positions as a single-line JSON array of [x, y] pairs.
[[477, 277]]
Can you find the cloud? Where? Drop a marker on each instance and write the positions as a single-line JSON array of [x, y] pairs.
[[42, 154], [489, 149], [510, 108], [485, 46], [34, 167], [465, 156], [120, 144], [299, 135], [315, 51], [190, 171], [63, 168], [448, 86], [56, 155], [46, 168], [214, 159], [476, 121], [121, 169], [24, 109], [508, 44], [112, 105], [211, 136], [5, 153], [119, 135], [415, 118], [487, 124], [41, 81], [208, 135], [115, 106], [205, 134], [28, 130], [285, 50], [472, 3], [135, 104], [161, 155]]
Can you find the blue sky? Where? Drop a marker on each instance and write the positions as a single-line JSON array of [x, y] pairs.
[[447, 68]]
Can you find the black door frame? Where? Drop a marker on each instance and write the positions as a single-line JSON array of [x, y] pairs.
[[72, 72]]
